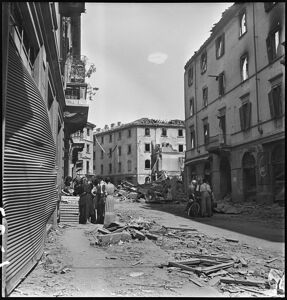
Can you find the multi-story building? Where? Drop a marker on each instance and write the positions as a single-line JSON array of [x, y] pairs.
[[234, 104], [138, 149], [39, 41], [82, 163]]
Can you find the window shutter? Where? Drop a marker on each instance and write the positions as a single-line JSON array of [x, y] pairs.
[[269, 48], [271, 104], [241, 118], [223, 44], [248, 115], [277, 101]]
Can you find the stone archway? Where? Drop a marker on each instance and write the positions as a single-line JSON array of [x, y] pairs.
[[225, 177], [249, 176], [278, 172]]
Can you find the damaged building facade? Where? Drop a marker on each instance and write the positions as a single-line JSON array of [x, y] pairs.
[[139, 149], [234, 104], [40, 44]]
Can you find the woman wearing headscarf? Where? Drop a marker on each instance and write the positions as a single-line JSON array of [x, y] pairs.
[[109, 206]]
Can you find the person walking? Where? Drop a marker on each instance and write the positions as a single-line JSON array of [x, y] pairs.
[[101, 199], [90, 210], [110, 216], [191, 194], [82, 202], [205, 203]]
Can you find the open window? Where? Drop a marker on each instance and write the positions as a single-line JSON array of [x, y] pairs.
[[244, 67], [147, 132], [192, 137], [242, 23], [191, 106], [147, 164], [273, 42], [220, 45], [275, 101], [221, 84], [180, 148], [203, 62], [206, 131], [205, 96], [245, 116], [190, 76], [147, 147]]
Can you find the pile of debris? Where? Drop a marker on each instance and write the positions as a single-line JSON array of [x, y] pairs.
[[154, 192]]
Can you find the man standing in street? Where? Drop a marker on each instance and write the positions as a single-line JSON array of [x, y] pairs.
[[205, 203]]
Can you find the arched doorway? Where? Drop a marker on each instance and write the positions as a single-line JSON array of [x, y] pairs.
[[249, 176], [225, 177], [278, 172]]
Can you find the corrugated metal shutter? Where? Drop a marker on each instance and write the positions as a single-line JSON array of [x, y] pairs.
[[29, 192]]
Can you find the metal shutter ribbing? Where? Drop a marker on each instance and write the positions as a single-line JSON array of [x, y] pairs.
[[29, 183]]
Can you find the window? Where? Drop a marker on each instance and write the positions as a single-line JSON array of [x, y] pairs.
[[219, 46], [94, 155], [102, 169], [120, 150], [163, 132], [111, 138], [244, 67], [203, 62], [275, 101], [94, 140], [221, 84], [180, 132], [191, 107], [129, 165], [88, 148], [110, 152], [245, 115], [88, 132], [269, 5], [88, 167], [102, 154], [110, 168], [190, 76], [242, 22], [147, 147], [129, 149], [120, 135], [129, 133], [147, 164], [147, 131], [273, 44], [180, 148], [119, 167], [206, 131], [192, 137], [102, 140], [205, 96]]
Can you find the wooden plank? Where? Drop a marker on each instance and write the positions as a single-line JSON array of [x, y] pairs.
[[180, 228], [240, 281], [207, 270], [189, 262], [196, 282], [184, 267]]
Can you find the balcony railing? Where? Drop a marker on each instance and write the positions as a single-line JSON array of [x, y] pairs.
[[218, 142], [76, 68]]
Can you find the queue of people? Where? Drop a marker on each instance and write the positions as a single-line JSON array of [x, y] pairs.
[[96, 202]]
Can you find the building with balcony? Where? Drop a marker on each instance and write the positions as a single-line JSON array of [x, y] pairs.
[[82, 156], [37, 119], [137, 150], [234, 104]]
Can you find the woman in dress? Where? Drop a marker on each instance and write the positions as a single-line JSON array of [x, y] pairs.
[[110, 216]]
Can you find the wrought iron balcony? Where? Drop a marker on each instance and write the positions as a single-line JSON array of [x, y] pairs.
[[218, 143], [75, 68]]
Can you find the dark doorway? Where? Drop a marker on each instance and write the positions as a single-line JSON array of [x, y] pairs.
[[249, 177], [225, 177], [278, 172]]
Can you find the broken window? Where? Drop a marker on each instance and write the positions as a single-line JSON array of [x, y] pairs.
[[206, 131], [129, 165], [163, 132], [119, 166], [275, 101], [120, 150], [245, 116], [203, 62], [147, 131], [192, 137], [102, 140], [221, 84], [110, 168], [180, 132], [219, 45], [120, 135], [129, 149], [273, 44], [180, 148], [110, 138], [147, 164], [244, 67], [129, 133], [269, 5], [88, 148], [147, 147], [102, 154], [110, 152], [102, 169], [205, 96], [243, 25], [190, 76]]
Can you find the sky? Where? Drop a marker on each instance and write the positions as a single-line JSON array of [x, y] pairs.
[[139, 51]]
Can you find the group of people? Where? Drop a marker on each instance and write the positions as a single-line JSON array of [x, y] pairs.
[[201, 190], [96, 202]]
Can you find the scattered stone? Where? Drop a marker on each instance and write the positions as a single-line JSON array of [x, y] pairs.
[[136, 234], [273, 278], [136, 274], [151, 236], [114, 238]]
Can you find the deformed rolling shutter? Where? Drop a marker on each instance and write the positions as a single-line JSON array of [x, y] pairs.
[[29, 183]]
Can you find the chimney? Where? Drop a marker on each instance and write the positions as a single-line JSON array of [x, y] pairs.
[[112, 125], [119, 123], [106, 127]]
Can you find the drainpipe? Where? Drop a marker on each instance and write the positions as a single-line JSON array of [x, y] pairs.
[[195, 106], [256, 74]]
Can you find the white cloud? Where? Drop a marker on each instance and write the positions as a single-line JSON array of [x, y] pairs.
[[157, 58]]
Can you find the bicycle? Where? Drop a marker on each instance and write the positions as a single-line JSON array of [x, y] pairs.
[[194, 208]]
